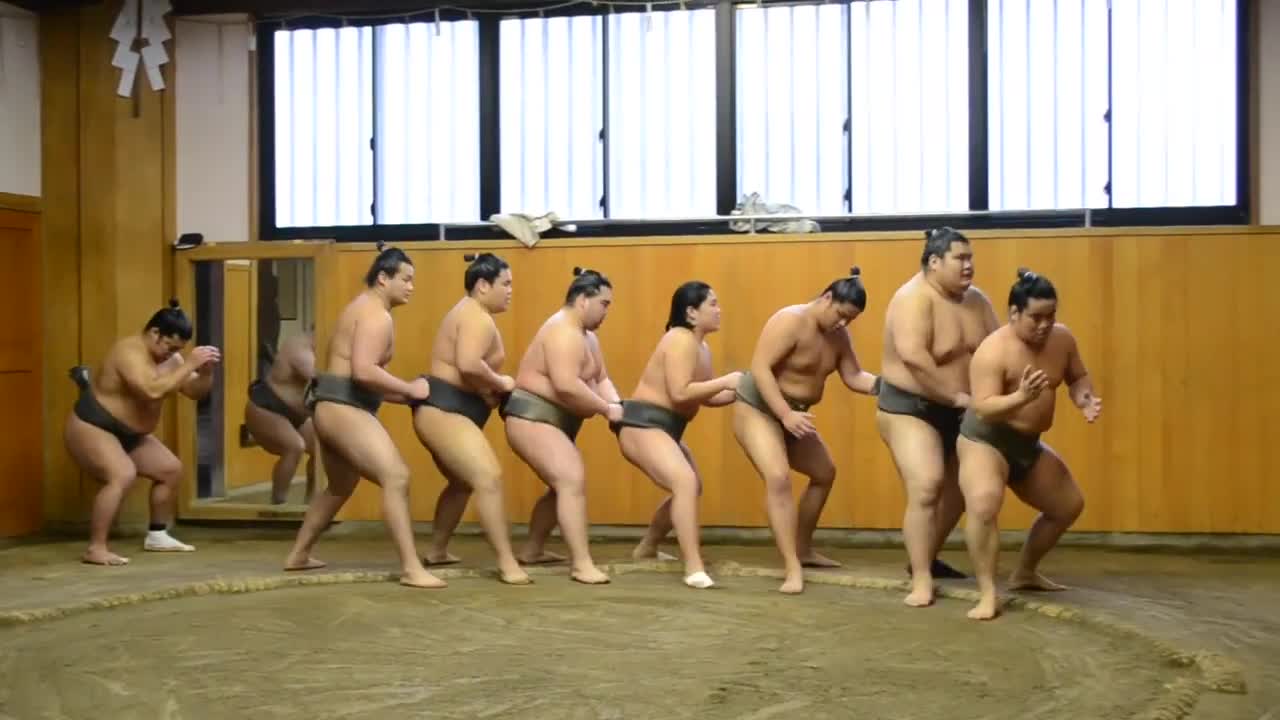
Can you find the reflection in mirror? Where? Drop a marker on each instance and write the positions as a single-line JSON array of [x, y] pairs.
[[253, 436]]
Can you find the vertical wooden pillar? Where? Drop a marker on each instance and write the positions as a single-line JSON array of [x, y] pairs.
[[106, 192]]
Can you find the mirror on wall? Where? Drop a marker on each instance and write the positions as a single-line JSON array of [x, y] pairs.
[[253, 441]]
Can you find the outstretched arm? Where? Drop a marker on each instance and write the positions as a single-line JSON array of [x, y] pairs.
[[851, 372], [722, 398]]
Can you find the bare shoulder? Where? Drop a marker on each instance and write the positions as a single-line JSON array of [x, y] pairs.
[[373, 311], [994, 345], [910, 287], [124, 346], [678, 338], [1062, 337], [785, 317], [560, 334], [127, 350], [912, 300], [974, 297], [475, 317]]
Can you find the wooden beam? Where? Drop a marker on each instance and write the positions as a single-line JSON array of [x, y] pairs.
[[20, 203]]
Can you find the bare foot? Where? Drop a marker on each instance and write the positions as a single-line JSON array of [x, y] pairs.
[[440, 558], [590, 576], [515, 577], [986, 609], [422, 579], [103, 557], [813, 559], [1021, 580], [921, 595], [542, 559], [294, 564], [792, 584], [644, 551]]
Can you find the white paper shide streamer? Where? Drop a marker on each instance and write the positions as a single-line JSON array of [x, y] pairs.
[[135, 25]]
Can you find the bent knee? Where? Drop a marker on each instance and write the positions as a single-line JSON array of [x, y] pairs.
[[119, 478], [984, 504], [395, 478], [778, 482], [685, 483], [924, 494], [1070, 509], [570, 480], [823, 476], [169, 474], [570, 485], [483, 481], [294, 448]]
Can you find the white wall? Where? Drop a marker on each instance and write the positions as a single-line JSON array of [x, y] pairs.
[[1267, 158], [19, 102], [212, 85]]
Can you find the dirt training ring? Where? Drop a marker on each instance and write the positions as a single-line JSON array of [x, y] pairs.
[[764, 669]]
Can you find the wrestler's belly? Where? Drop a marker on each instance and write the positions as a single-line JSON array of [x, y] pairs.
[[803, 386], [541, 386], [955, 375], [452, 375], [1036, 417], [654, 396], [139, 414]]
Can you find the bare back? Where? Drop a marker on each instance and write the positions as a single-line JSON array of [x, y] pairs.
[[466, 318], [534, 372], [948, 330], [998, 367], [122, 398], [654, 381], [363, 309], [810, 355], [293, 368]]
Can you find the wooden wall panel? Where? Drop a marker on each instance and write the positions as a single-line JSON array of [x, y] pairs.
[[21, 471], [60, 179], [1176, 327], [104, 196]]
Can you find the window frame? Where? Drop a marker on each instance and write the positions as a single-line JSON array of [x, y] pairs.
[[978, 217]]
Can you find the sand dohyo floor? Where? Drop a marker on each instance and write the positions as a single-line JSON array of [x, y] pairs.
[[222, 633]]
